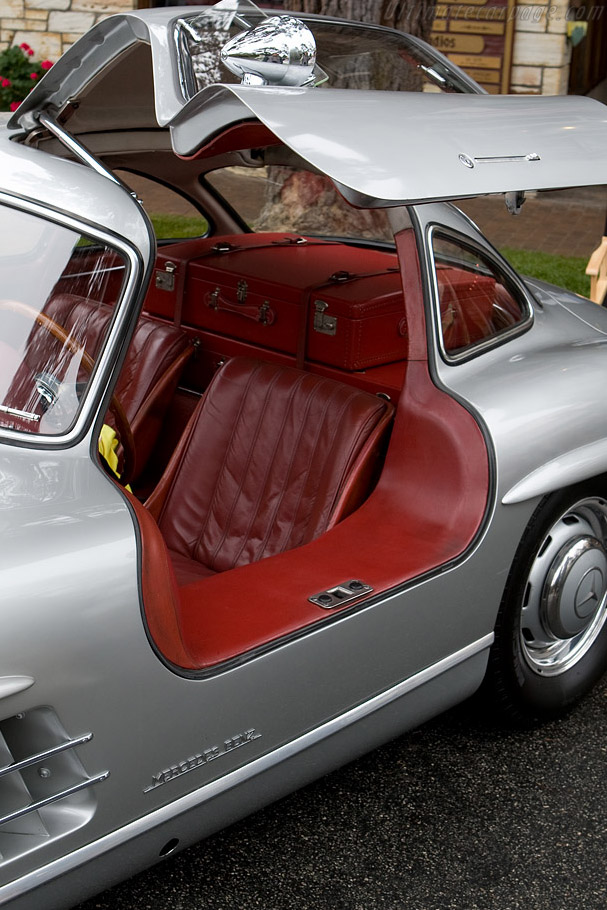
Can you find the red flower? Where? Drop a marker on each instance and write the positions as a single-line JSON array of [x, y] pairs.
[[6, 83], [25, 47], [46, 64], [33, 75], [15, 105]]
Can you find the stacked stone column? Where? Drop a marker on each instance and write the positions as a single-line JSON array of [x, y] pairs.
[[49, 27]]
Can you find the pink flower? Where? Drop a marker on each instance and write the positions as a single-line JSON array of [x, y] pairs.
[[14, 105], [33, 75], [46, 64], [6, 83]]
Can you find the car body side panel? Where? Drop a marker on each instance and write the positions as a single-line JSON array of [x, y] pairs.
[[127, 851], [541, 395], [65, 522]]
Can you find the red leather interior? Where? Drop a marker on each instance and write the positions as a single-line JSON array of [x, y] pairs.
[[272, 457], [246, 135], [425, 510]]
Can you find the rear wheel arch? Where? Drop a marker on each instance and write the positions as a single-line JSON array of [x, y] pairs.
[[551, 631]]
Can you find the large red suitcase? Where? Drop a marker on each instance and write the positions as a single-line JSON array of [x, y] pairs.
[[332, 303]]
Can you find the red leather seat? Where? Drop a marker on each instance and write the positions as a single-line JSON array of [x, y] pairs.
[[154, 361], [271, 459]]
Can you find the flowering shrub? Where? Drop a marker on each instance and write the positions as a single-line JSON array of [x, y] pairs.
[[18, 75]]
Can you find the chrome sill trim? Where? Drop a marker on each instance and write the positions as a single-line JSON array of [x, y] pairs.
[[47, 753], [33, 807], [215, 788]]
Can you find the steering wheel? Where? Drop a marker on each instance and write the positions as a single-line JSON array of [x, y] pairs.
[[48, 390]]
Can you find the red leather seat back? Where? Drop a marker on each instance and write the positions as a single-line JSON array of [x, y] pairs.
[[273, 457], [151, 370]]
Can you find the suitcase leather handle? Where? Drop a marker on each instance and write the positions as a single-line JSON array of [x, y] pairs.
[[263, 314]]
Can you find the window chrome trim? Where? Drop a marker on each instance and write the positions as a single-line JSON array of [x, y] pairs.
[[501, 265], [97, 386]]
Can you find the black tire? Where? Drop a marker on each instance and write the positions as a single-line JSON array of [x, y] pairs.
[[551, 633]]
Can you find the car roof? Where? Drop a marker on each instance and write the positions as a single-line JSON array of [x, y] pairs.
[[381, 148], [29, 177], [393, 148]]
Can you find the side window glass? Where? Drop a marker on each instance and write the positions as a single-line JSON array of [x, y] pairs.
[[56, 306], [476, 300], [172, 216]]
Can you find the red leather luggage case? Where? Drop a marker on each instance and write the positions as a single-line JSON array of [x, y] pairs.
[[272, 290]]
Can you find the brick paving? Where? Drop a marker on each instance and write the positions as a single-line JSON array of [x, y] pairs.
[[566, 223]]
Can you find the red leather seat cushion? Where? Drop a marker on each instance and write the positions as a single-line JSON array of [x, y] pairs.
[[267, 465]]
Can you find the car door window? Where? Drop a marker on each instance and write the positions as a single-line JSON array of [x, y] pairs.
[[477, 300], [56, 307]]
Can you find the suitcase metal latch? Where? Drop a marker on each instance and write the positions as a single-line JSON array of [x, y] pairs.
[[165, 280], [326, 325], [242, 289]]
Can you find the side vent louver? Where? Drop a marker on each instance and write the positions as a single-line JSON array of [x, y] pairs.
[[44, 788]]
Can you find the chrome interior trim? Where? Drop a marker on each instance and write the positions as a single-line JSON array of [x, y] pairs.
[[215, 788], [72, 144], [15, 412]]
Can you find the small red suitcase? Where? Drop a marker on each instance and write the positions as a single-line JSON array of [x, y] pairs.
[[278, 290]]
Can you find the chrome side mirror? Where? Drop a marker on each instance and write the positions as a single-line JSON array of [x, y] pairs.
[[279, 51]]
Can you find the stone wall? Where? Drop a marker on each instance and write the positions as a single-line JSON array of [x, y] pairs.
[[51, 26], [540, 62]]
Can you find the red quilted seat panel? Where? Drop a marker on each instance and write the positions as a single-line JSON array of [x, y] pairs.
[[273, 457]]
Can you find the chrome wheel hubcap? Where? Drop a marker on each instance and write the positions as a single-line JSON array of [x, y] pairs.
[[565, 600]]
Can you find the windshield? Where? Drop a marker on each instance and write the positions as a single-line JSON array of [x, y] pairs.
[[57, 288], [349, 55]]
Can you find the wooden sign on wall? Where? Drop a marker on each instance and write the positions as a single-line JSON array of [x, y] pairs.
[[478, 36]]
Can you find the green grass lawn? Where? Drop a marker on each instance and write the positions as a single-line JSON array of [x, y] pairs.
[[178, 227], [566, 271]]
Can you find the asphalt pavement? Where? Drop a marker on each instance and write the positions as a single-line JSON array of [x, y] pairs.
[[461, 814]]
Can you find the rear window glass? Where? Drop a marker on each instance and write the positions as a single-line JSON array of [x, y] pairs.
[[278, 198]]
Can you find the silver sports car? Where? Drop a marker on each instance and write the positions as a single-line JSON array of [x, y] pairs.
[[295, 469]]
